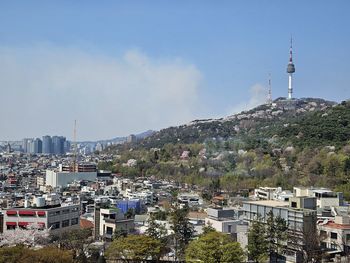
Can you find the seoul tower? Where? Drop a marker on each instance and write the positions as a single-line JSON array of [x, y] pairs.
[[290, 70]]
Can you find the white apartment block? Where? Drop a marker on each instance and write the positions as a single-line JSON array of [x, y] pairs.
[[62, 179]]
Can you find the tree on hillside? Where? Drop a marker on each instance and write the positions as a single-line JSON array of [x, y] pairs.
[[214, 247], [134, 247], [183, 230]]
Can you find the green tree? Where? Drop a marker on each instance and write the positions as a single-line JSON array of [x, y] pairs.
[[257, 245], [160, 215], [214, 247], [276, 235], [158, 232], [155, 230], [183, 230], [134, 247], [207, 229], [119, 232], [130, 213]]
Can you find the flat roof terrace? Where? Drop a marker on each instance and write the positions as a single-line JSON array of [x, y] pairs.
[[272, 203]]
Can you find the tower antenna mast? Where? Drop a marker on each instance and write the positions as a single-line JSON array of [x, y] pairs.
[[269, 96], [75, 146]]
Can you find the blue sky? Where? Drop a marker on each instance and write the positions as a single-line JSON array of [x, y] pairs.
[[217, 52]]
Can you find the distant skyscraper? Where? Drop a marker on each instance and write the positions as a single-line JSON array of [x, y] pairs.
[[58, 145], [38, 146], [290, 71], [67, 146], [47, 144], [25, 144]]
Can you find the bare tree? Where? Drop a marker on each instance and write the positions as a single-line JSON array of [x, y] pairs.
[[307, 244]]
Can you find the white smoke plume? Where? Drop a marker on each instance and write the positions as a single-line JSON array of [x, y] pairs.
[[44, 88], [258, 96]]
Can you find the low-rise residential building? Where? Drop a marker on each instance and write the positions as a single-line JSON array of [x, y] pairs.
[[335, 235], [110, 220], [272, 193], [227, 221], [264, 193]]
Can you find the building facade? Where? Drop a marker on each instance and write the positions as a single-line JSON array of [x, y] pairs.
[[299, 213], [58, 218]]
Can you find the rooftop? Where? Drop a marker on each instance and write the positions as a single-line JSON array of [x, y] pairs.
[[273, 203], [337, 226]]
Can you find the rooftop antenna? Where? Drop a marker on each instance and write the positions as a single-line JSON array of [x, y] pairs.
[[269, 95]]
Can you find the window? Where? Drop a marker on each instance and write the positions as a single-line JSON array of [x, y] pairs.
[[65, 211], [109, 230], [229, 228], [41, 213], [334, 235], [54, 213], [25, 213], [347, 237], [323, 234], [74, 221], [54, 225], [10, 227], [333, 246], [294, 204], [65, 223], [75, 209]]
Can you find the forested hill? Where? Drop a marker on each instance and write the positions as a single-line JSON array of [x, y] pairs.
[[306, 142], [309, 122]]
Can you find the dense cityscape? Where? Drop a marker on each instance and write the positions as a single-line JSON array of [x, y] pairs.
[[267, 181]]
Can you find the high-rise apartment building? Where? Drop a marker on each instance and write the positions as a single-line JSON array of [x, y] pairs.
[[25, 144], [58, 143], [38, 146], [47, 144]]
